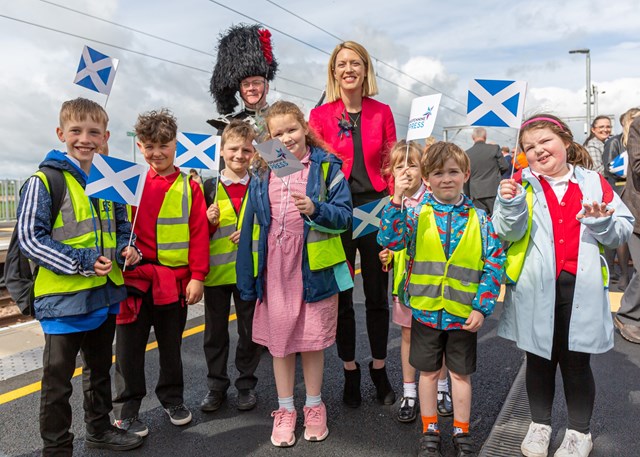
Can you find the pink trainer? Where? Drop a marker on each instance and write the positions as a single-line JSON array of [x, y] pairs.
[[284, 426], [315, 422]]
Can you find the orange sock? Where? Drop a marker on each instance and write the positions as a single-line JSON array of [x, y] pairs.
[[460, 427], [430, 424]]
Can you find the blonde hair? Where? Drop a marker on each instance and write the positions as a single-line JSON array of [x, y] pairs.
[[441, 151], [369, 85], [398, 154], [157, 126], [238, 129], [80, 109], [626, 120]]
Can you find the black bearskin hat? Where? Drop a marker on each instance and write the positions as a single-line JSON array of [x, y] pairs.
[[243, 51]]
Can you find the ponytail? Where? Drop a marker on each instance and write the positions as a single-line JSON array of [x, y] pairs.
[[578, 156]]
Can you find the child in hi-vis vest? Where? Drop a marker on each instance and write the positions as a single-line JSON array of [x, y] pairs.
[[453, 280], [226, 200], [558, 216]]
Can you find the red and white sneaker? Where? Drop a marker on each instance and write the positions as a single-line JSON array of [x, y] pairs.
[[315, 423], [284, 426]]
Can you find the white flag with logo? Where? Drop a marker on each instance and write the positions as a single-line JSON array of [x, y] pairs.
[[96, 71], [422, 118], [116, 180], [197, 150], [496, 103], [280, 160]]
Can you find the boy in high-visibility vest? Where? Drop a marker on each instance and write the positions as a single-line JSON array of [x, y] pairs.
[[226, 201], [79, 283], [453, 281], [173, 236]]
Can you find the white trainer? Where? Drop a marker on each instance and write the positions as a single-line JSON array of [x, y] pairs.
[[536, 443], [575, 444]]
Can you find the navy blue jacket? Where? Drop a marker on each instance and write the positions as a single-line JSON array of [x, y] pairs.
[[333, 215]]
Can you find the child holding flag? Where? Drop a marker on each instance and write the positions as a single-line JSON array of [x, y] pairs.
[[299, 266], [453, 280], [558, 216], [173, 236], [226, 200], [79, 283]]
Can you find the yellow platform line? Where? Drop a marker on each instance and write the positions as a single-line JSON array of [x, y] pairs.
[[36, 386]]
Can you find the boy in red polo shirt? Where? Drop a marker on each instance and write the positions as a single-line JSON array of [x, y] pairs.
[[173, 236]]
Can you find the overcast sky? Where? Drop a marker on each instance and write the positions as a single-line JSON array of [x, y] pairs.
[[439, 46]]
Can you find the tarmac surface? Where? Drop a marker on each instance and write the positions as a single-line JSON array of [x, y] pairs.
[[368, 430]]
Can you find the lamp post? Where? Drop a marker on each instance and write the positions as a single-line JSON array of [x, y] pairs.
[[133, 144], [587, 52]]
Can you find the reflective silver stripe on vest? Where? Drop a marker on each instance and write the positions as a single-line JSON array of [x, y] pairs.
[[336, 180], [184, 218], [71, 228], [434, 291], [459, 296], [464, 275], [316, 235], [222, 259], [224, 232], [428, 268], [172, 246], [425, 290], [109, 253], [255, 245]]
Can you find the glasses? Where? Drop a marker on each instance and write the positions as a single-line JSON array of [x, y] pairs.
[[250, 84], [603, 127]]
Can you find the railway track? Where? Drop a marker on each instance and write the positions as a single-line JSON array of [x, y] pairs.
[[9, 312]]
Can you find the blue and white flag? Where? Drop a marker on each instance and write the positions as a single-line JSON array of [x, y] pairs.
[[116, 180], [496, 103], [280, 160], [96, 71], [618, 166], [197, 150], [366, 218], [422, 118]]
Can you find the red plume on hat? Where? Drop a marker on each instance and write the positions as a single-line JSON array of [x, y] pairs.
[[243, 51]]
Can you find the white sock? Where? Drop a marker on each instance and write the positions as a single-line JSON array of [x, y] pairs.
[[313, 400], [286, 403], [443, 385], [409, 389]]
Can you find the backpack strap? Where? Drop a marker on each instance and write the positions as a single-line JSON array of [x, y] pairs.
[[57, 186]]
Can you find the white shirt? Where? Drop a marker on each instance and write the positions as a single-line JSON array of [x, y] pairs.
[[561, 184]]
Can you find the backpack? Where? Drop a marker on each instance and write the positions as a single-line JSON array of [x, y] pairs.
[[19, 275]]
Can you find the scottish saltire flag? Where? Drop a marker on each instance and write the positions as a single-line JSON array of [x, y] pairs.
[[196, 150], [422, 117], [618, 166], [280, 160], [496, 103], [116, 180], [96, 71], [366, 218]]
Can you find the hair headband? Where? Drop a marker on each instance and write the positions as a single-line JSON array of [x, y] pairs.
[[548, 119]]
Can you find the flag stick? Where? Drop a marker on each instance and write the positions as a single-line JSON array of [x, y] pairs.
[[106, 101], [135, 218], [406, 163], [515, 154]]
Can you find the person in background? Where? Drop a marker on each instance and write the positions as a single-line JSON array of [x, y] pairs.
[[193, 174], [487, 167], [508, 157], [627, 318], [600, 131], [361, 130]]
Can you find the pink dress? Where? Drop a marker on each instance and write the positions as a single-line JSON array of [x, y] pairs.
[[283, 321], [402, 315]]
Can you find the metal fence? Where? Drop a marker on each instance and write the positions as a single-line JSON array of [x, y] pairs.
[[9, 194]]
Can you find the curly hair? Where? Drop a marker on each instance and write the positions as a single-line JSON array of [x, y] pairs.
[[157, 126]]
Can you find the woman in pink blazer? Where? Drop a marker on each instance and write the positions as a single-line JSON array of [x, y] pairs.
[[361, 131]]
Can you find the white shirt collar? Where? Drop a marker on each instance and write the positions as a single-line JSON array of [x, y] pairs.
[[227, 182]]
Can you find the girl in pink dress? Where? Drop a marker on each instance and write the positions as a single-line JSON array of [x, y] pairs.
[[295, 266]]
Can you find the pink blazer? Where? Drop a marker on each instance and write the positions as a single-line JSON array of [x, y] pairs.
[[378, 136]]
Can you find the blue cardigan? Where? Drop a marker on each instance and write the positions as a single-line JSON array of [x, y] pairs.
[[333, 216]]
